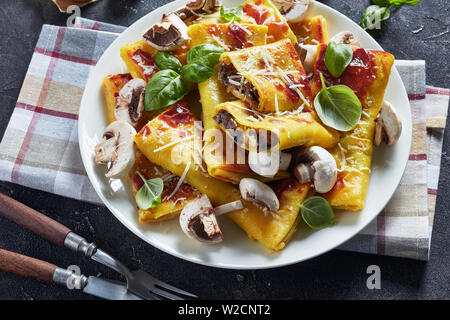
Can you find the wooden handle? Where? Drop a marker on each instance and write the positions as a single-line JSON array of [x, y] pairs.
[[32, 220], [25, 266]]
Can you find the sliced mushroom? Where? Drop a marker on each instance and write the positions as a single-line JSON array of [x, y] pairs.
[[228, 207], [388, 126], [168, 34], [346, 37], [294, 10], [197, 220], [117, 149], [316, 165], [266, 164], [307, 53], [285, 160], [255, 191], [129, 105], [197, 7], [203, 6]]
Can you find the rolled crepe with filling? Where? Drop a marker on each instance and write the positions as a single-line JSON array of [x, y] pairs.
[[170, 144], [213, 92], [264, 12], [367, 75], [273, 131], [269, 78]]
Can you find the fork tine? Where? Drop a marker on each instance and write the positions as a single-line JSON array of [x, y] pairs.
[[166, 294], [148, 279], [167, 286]]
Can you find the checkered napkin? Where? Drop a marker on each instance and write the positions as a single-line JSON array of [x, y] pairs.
[[40, 146]]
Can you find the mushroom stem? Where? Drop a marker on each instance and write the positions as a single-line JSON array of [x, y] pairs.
[[388, 127], [228, 207], [316, 165]]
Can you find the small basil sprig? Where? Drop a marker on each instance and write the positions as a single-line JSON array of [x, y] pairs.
[[373, 15], [164, 89], [380, 11], [164, 60], [337, 57], [317, 212], [167, 86], [338, 106], [149, 195], [395, 3], [231, 14]]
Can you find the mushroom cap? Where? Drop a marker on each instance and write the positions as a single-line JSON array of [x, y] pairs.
[[264, 163], [198, 222], [307, 53], [168, 34], [388, 127], [117, 149], [319, 165], [255, 191], [129, 105], [294, 10], [346, 37]]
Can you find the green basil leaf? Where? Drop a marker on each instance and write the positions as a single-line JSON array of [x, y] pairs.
[[382, 3], [164, 60], [231, 14], [399, 3], [196, 73], [337, 57], [207, 54], [317, 212], [372, 16], [164, 89], [338, 107], [149, 195]]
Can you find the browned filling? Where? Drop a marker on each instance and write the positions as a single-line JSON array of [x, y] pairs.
[[202, 231], [226, 121], [246, 92]]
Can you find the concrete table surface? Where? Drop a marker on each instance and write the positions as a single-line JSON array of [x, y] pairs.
[[335, 275]]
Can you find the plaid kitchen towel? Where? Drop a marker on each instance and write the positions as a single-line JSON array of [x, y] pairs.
[[40, 146]]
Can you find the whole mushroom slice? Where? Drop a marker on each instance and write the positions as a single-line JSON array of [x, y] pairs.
[[346, 37], [255, 191], [129, 105], [197, 220], [268, 164], [203, 6], [265, 164], [294, 10], [318, 166], [168, 34], [117, 149], [197, 7], [307, 54], [388, 125]]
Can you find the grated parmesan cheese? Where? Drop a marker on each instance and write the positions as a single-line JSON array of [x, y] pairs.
[[180, 181]]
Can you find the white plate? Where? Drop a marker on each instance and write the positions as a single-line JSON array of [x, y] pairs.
[[237, 251]]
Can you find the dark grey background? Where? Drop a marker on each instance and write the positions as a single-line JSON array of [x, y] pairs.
[[335, 275]]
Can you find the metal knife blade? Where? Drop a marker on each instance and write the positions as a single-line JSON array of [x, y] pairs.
[[108, 289]]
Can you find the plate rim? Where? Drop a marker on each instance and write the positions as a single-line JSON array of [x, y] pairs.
[[129, 225]]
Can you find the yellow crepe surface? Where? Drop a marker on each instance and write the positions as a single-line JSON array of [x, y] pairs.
[[264, 12]]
